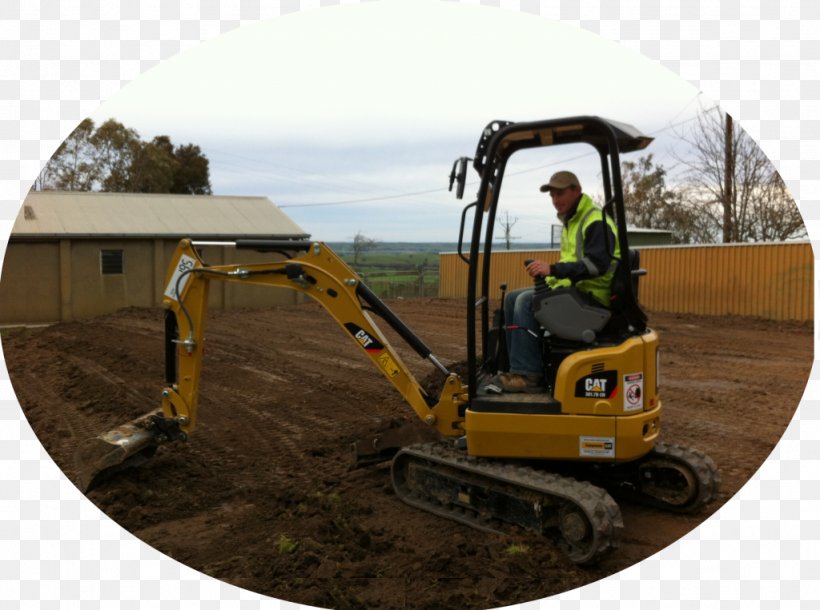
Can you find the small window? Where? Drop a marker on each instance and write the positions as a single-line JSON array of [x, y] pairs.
[[111, 262]]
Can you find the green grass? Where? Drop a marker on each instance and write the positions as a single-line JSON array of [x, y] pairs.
[[381, 260], [517, 549], [286, 546], [393, 274]]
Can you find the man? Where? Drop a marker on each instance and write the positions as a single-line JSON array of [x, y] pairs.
[[589, 253]]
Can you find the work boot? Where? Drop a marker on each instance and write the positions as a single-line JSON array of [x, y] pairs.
[[515, 383]]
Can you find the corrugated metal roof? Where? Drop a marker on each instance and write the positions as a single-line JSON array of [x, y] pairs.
[[84, 214]]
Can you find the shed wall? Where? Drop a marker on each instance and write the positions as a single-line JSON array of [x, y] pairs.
[[51, 281], [30, 283]]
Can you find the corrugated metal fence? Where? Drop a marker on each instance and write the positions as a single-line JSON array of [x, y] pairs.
[[772, 281]]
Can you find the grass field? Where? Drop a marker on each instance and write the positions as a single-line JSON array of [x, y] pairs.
[[403, 269], [395, 270]]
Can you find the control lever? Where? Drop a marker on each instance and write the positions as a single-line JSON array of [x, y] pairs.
[[527, 263], [541, 286]]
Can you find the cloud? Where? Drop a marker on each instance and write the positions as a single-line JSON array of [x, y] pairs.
[[377, 99]]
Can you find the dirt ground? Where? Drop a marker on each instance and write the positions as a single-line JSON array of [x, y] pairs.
[[262, 496]]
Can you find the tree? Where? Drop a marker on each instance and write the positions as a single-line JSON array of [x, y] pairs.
[[191, 175], [651, 205], [362, 243], [735, 187], [73, 167], [113, 158], [777, 215], [507, 223], [153, 167], [117, 147]]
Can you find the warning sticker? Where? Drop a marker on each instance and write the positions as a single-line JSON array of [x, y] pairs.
[[633, 392], [186, 263], [388, 365], [597, 446]]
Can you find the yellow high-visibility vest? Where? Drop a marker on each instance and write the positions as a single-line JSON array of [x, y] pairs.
[[572, 250]]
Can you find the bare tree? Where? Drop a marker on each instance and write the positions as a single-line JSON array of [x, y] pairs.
[[362, 243], [735, 187], [507, 223], [651, 205], [73, 167]]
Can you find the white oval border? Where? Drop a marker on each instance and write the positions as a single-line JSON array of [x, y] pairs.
[[760, 60]]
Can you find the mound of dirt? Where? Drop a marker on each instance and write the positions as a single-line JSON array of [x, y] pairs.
[[262, 495]]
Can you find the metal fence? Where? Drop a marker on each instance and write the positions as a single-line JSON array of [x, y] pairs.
[[772, 280], [405, 290]]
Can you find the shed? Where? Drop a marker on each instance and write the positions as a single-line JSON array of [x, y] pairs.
[[640, 238], [74, 255]]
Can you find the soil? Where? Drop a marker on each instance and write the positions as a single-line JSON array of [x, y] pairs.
[[262, 496]]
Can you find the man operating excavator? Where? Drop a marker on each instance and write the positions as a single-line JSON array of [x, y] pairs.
[[588, 257]]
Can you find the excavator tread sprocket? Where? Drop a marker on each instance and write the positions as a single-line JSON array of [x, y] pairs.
[[491, 495], [703, 471], [671, 477]]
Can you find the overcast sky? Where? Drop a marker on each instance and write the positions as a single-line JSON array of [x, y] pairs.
[[350, 117]]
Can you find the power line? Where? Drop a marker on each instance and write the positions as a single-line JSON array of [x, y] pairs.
[[317, 180], [667, 127], [328, 185], [364, 200]]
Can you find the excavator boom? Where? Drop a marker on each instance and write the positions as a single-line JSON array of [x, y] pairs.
[[317, 272]]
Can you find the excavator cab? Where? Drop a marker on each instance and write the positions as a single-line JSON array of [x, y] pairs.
[[600, 402], [574, 319]]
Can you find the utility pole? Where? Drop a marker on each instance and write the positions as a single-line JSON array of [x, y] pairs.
[[507, 224], [728, 181]]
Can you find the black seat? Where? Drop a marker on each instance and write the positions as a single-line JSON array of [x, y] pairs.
[[571, 315], [568, 313], [624, 300]]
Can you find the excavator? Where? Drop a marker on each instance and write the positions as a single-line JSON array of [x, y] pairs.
[[550, 462]]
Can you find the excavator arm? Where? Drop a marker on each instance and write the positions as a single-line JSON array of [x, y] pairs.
[[317, 272]]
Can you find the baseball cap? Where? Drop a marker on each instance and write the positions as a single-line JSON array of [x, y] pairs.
[[561, 180]]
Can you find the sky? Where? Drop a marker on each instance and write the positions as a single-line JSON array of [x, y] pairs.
[[349, 118]]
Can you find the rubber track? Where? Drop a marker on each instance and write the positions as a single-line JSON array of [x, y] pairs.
[[700, 464], [600, 509]]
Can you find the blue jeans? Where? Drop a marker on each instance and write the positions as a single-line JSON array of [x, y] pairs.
[[524, 339]]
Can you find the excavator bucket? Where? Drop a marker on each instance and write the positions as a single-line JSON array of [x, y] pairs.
[[383, 445], [126, 446]]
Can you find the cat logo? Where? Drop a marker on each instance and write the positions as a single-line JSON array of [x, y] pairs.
[[601, 384], [363, 338]]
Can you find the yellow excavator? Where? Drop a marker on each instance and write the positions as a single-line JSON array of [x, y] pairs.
[[549, 462]]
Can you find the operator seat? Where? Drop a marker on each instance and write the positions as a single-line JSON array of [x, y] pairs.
[[571, 315], [574, 321]]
